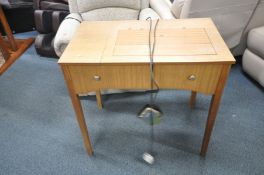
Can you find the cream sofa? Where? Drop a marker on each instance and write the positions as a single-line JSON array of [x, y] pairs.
[[253, 58]]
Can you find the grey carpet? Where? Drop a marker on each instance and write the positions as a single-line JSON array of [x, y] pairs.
[[39, 134]]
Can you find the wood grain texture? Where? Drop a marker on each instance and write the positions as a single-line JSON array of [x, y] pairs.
[[137, 77], [192, 99], [11, 48], [175, 76], [190, 55], [78, 111], [23, 44], [111, 77], [182, 41], [215, 103], [99, 99], [170, 42]]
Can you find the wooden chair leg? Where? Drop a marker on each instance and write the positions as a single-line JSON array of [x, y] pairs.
[[7, 29], [99, 99], [192, 99]]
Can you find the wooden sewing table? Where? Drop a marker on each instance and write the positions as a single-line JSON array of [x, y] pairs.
[[190, 54]]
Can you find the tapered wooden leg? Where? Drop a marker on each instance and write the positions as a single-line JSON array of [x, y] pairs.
[[79, 113], [192, 99], [99, 99], [215, 102], [82, 124], [210, 123]]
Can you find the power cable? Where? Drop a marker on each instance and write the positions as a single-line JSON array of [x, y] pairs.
[[148, 156]]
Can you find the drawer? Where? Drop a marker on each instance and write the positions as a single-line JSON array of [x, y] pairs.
[[199, 77], [87, 78]]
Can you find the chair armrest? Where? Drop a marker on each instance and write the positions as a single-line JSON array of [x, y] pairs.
[[57, 18], [66, 31], [162, 8], [148, 13]]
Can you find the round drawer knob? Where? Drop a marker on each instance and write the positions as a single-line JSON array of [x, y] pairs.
[[192, 77], [97, 78]]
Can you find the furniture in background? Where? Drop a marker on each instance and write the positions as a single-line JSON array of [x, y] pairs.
[[48, 16], [11, 48], [190, 55], [233, 18], [253, 58], [16, 11], [99, 10]]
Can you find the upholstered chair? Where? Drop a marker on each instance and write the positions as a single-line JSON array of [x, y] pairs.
[[99, 10], [48, 15], [253, 58]]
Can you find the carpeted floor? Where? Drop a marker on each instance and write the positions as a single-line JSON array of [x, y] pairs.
[[39, 134]]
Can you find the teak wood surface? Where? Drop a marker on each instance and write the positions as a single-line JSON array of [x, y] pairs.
[[190, 54]]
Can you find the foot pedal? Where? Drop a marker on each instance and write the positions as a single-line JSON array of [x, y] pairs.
[[149, 110]]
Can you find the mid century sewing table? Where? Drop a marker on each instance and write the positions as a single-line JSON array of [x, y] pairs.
[[190, 54]]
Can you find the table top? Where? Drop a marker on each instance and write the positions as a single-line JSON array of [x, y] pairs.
[[177, 41]]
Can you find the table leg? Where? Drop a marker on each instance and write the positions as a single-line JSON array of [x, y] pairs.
[[215, 102], [79, 112], [192, 99], [99, 99]]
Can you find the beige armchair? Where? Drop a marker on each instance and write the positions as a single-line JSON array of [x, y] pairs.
[[253, 58], [96, 10]]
